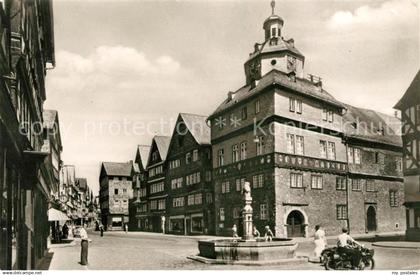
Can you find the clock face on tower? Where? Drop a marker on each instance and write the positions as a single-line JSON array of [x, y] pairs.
[[291, 63]]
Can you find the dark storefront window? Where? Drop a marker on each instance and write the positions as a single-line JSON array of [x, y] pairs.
[[197, 224]]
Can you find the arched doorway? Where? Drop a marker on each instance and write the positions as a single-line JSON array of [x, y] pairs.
[[371, 219], [295, 224]]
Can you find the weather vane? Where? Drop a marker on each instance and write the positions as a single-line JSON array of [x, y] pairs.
[[273, 4]]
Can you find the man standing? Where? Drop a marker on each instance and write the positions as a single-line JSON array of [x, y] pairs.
[[344, 239], [84, 246]]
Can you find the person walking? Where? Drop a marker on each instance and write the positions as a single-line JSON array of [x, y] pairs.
[[126, 228], [84, 246], [320, 241], [65, 231]]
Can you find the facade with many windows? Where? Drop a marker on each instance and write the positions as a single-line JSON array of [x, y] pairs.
[[115, 191], [190, 192], [310, 159], [156, 187], [409, 105]]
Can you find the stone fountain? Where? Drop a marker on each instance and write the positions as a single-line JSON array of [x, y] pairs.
[[247, 250]]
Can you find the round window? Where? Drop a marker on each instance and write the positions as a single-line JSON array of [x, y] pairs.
[[273, 62]]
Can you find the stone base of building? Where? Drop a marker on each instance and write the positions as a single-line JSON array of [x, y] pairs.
[[412, 234]]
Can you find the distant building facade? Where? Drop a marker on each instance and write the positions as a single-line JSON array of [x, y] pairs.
[[189, 178], [139, 204], [115, 191], [310, 159], [156, 184], [409, 105]]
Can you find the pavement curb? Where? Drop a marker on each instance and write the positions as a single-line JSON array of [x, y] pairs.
[[72, 243], [247, 263], [390, 245]]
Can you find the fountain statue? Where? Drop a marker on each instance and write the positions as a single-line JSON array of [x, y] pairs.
[[248, 250], [247, 212]]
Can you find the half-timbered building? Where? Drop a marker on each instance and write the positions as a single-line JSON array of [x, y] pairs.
[[409, 105]]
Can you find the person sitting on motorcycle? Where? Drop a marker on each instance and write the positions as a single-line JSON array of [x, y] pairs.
[[344, 241]]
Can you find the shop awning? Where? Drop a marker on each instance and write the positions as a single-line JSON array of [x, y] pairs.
[[56, 215]]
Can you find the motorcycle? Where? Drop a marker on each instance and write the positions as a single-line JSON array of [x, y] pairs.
[[332, 259]]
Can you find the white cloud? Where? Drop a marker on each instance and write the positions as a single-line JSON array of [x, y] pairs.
[[394, 12]]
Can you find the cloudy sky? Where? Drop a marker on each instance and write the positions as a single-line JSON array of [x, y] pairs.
[[125, 69]]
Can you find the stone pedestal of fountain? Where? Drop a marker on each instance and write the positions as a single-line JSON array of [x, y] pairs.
[[248, 250]]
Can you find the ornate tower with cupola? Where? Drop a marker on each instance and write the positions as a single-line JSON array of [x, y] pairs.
[[276, 52]]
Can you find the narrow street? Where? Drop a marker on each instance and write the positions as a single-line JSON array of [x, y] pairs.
[[135, 250]]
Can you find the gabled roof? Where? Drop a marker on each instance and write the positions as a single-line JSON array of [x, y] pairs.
[[412, 95], [117, 168], [198, 127], [372, 126], [142, 154], [301, 85], [162, 144]]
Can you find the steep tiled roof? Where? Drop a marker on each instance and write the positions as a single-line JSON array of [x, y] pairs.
[[198, 127], [117, 168], [143, 151], [281, 45], [301, 85], [162, 143], [49, 118], [371, 126], [412, 95]]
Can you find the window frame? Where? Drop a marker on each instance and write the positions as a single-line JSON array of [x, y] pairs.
[[296, 176], [292, 106], [319, 179], [371, 184], [359, 185], [235, 153], [243, 150], [244, 113], [340, 183], [341, 212], [263, 212], [290, 139], [393, 199], [323, 149], [257, 106], [222, 215], [299, 106]]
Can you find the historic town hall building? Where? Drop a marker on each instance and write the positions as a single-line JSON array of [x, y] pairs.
[[310, 159]]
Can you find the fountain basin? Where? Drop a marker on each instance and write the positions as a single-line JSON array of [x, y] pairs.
[[230, 250]]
